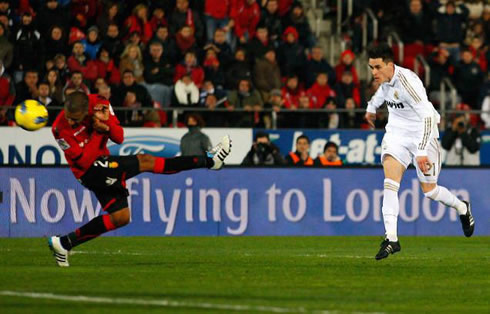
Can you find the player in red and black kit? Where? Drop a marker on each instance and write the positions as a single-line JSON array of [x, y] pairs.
[[82, 130]]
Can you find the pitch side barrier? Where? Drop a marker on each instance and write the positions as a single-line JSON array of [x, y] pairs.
[[37, 202]]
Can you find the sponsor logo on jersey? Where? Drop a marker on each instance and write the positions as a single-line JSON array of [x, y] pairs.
[[394, 105]]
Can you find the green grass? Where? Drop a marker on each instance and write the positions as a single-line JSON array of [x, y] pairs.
[[288, 274]]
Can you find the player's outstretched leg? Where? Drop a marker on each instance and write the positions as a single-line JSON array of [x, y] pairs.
[[443, 195], [387, 248]]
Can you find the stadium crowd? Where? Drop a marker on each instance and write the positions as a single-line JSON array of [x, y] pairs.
[[233, 54]]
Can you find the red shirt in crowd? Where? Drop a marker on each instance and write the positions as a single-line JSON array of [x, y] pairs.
[[82, 145], [218, 9], [246, 18], [319, 94]]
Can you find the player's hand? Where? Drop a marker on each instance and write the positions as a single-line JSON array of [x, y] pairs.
[[100, 126], [102, 114], [424, 163], [370, 118]]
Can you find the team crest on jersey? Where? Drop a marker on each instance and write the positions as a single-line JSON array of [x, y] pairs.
[[396, 95], [63, 144]]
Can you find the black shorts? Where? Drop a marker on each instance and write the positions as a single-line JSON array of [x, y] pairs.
[[107, 179]]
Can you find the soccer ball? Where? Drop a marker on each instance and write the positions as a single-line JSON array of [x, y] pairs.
[[31, 115]]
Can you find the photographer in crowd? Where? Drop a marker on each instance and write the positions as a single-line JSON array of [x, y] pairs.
[[461, 141], [263, 153]]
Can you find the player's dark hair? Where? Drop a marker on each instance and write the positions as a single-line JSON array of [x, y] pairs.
[[331, 144], [303, 137], [382, 51], [261, 134], [76, 102]]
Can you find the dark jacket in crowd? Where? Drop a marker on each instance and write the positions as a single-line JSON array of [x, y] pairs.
[[451, 28], [178, 19], [47, 18], [312, 68], [165, 74], [236, 71], [262, 154], [194, 143]]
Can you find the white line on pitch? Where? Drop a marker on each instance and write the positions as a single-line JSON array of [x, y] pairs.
[[161, 302]]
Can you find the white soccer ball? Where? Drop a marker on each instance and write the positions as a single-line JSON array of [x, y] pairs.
[[31, 115]]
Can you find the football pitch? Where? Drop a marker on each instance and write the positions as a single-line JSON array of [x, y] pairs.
[[247, 275]]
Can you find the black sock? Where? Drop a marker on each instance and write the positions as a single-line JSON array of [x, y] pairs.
[[89, 231], [173, 165]]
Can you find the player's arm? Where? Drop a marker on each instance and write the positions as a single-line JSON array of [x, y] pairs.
[[104, 121], [373, 105]]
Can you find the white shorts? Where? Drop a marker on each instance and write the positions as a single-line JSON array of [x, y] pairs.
[[404, 149]]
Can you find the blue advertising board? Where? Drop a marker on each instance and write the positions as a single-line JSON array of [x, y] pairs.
[[344, 201], [355, 146]]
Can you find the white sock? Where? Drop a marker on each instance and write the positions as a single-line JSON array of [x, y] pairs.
[[391, 208], [441, 194]]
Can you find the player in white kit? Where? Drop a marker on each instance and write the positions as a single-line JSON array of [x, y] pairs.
[[411, 137]]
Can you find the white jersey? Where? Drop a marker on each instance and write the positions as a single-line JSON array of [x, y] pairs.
[[411, 114]]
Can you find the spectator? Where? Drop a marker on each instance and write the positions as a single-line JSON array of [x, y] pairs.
[[245, 15], [56, 42], [185, 41], [212, 117], [158, 74], [225, 54], [462, 142], [27, 89], [485, 115], [479, 50], [194, 142], [330, 120], [92, 42], [267, 74], [216, 14], [6, 48], [245, 97], [291, 92], [46, 100], [83, 12], [186, 93], [291, 54], [111, 14], [129, 84], [208, 88], [169, 47], [263, 152], [276, 103], [271, 19], [138, 23], [106, 67], [212, 68], [450, 25], [62, 68], [330, 156], [55, 85], [27, 40], [347, 64], [151, 119], [131, 59], [347, 89], [158, 18], [8, 12], [318, 64], [304, 119], [239, 69], [185, 16], [79, 61], [259, 44], [300, 157], [51, 14], [75, 83], [468, 79], [298, 20], [416, 26], [351, 119], [113, 42], [190, 66], [320, 91], [7, 88], [132, 118], [441, 66]]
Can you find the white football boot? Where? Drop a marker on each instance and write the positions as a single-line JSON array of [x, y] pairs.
[[220, 152], [59, 252]]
